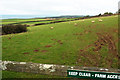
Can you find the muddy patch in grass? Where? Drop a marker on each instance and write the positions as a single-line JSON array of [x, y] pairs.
[[108, 40], [43, 51], [60, 42], [91, 55], [26, 53], [36, 50], [104, 39], [9, 38], [87, 31], [47, 46], [115, 30], [4, 48]]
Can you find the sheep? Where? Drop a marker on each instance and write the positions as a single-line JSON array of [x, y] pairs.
[[93, 21], [83, 20], [51, 27], [75, 24], [100, 20]]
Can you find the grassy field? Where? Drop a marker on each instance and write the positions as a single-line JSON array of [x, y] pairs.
[[10, 21], [27, 21], [37, 22], [81, 43]]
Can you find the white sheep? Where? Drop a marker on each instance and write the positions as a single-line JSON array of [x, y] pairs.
[[75, 24], [100, 20], [83, 20], [93, 21], [51, 27]]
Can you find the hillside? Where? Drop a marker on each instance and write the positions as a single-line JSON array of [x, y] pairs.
[[81, 43]]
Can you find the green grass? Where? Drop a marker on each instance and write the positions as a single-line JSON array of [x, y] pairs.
[[10, 21], [11, 74], [22, 21], [37, 22], [66, 46]]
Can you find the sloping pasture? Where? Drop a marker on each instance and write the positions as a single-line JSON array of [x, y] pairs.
[[81, 43]]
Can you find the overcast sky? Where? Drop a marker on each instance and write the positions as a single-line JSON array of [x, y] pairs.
[[57, 7]]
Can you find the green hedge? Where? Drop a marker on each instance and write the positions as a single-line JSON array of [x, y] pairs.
[[12, 29]]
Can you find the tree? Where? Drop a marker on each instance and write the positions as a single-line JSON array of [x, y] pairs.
[[100, 14], [87, 16], [110, 13], [106, 13]]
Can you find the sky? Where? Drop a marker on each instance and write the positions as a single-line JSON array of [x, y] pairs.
[[57, 7]]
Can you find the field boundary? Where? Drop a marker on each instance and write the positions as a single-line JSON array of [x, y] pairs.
[[47, 69]]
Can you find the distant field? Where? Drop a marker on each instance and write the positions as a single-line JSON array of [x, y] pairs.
[[9, 21], [37, 22], [15, 20], [30, 21], [81, 43]]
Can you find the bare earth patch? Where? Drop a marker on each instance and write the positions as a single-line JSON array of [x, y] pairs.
[[44, 51], [36, 50], [60, 42], [91, 55], [47, 46], [9, 38], [105, 39], [26, 53]]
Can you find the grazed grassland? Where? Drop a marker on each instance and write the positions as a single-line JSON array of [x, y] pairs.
[[81, 43]]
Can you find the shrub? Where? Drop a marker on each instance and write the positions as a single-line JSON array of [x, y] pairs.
[[12, 29], [87, 16], [108, 13], [100, 14]]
